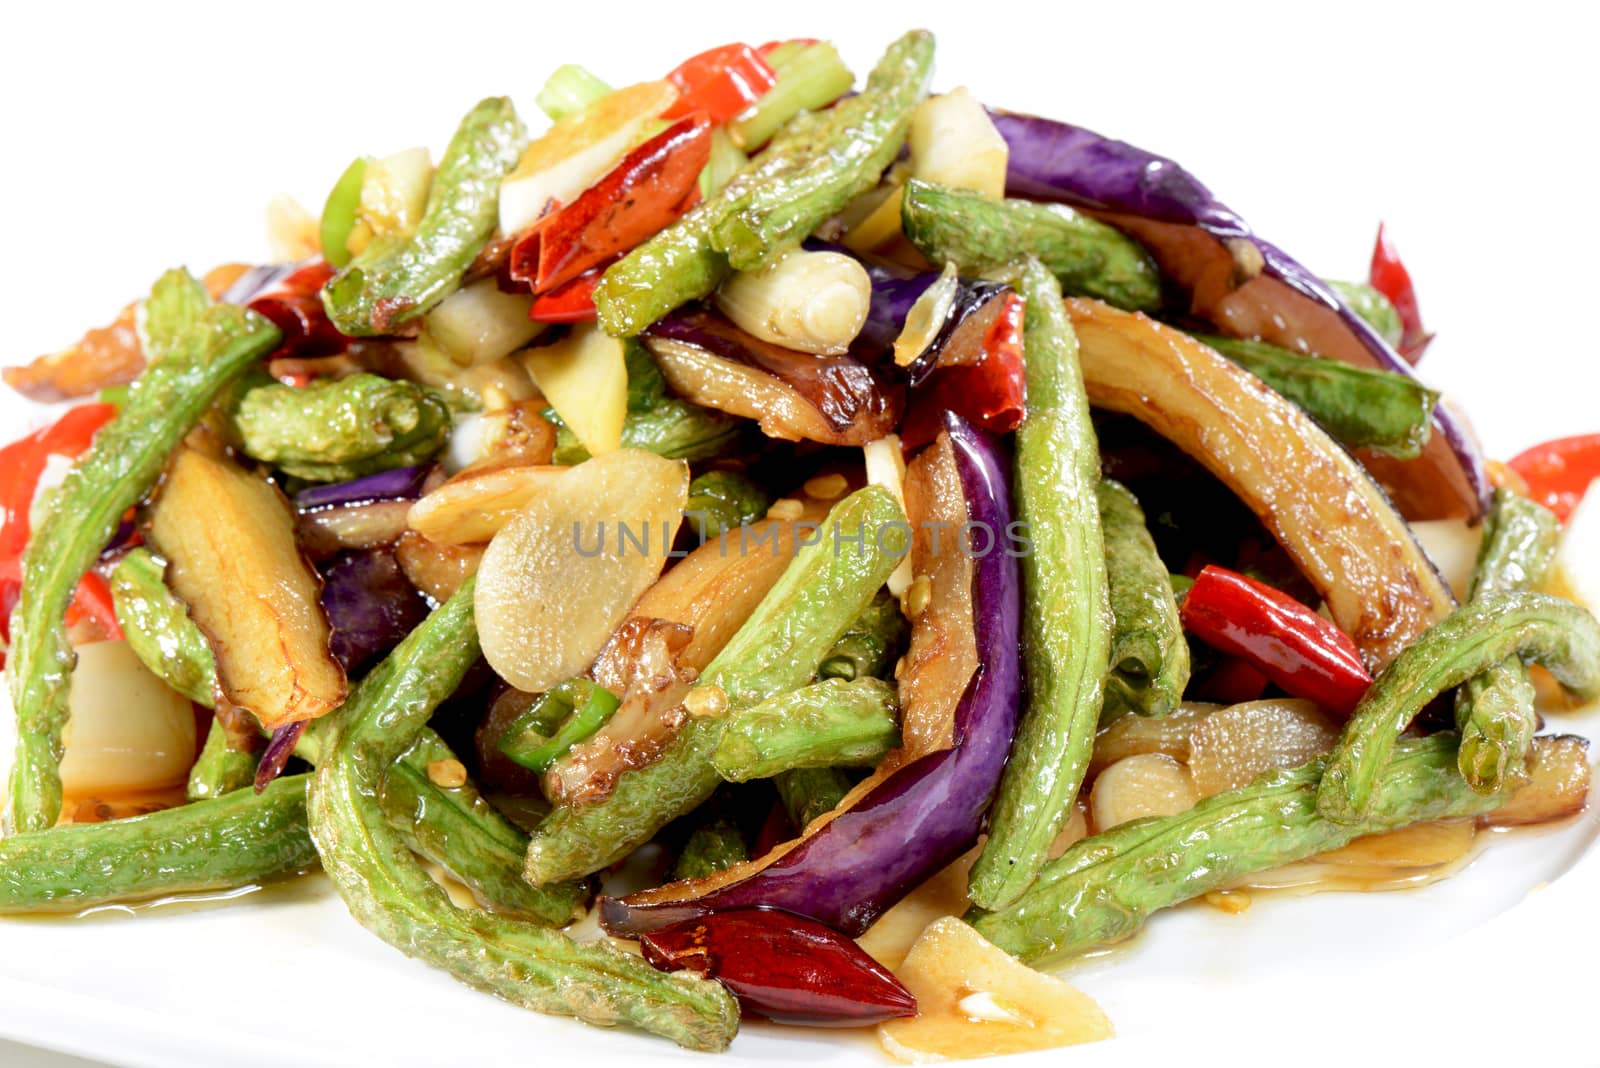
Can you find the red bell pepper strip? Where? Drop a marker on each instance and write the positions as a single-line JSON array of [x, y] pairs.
[[651, 188], [783, 967], [1388, 275], [569, 303], [721, 82], [1303, 653], [989, 391], [1558, 473], [294, 304], [23, 461]]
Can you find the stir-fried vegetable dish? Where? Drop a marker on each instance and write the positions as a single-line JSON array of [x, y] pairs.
[[844, 543]]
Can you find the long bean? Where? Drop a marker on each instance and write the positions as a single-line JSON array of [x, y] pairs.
[[830, 724], [808, 172], [714, 846], [395, 282], [1104, 888], [1066, 632], [337, 429], [777, 650], [1149, 654], [807, 793], [207, 845], [159, 630], [389, 893], [980, 234], [194, 352], [1495, 711], [1547, 630], [453, 826], [1363, 408]]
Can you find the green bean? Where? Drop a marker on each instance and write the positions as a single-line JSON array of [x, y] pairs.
[[868, 649], [159, 630], [714, 846], [807, 793], [387, 890], [224, 765], [1149, 654], [1495, 711], [530, 739], [809, 172], [398, 280], [1363, 409], [1066, 629], [210, 845], [777, 650], [871, 645], [337, 429], [1378, 310], [194, 351], [720, 501], [1104, 888], [1547, 630], [980, 234], [454, 827], [830, 724], [656, 422]]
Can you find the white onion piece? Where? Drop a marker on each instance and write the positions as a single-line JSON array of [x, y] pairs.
[[886, 467], [480, 324], [1452, 545], [1228, 749], [127, 730], [1578, 557], [551, 588], [1136, 787]]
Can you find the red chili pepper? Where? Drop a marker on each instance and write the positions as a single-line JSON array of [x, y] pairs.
[[1232, 682], [569, 303], [1293, 646], [23, 461], [91, 603], [651, 188], [786, 968], [1559, 472], [989, 391], [721, 82], [1388, 275], [294, 304]]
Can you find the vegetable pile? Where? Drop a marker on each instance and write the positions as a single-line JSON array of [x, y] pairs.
[[849, 541]]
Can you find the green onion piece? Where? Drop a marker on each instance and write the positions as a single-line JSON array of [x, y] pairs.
[[568, 91], [809, 77], [559, 720], [339, 213], [726, 161]]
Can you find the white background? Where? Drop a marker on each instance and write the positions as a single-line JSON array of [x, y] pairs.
[[140, 136]]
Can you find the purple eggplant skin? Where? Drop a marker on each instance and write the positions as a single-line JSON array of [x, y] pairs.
[[400, 484], [1052, 160], [927, 813], [892, 298], [280, 747], [371, 607]]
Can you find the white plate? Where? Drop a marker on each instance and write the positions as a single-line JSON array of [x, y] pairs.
[[157, 145]]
